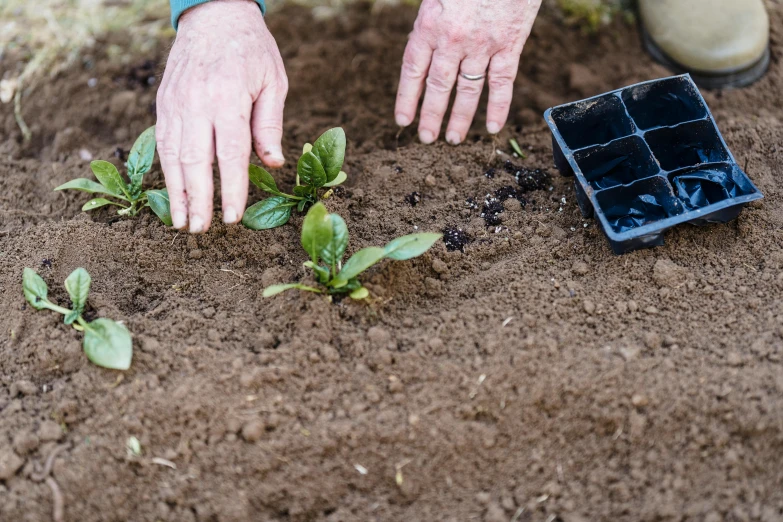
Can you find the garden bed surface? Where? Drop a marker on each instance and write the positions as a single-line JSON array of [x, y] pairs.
[[530, 374]]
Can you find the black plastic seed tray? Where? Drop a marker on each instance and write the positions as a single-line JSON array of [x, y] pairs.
[[646, 158]]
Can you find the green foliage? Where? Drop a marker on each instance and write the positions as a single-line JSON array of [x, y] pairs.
[[107, 343], [318, 167], [111, 183], [591, 15], [325, 238]]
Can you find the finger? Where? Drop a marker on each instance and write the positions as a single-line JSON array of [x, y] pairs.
[[232, 143], [466, 101], [502, 72], [415, 63], [168, 134], [267, 122], [440, 81], [196, 156]]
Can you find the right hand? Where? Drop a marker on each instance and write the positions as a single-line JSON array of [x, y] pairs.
[[224, 82]]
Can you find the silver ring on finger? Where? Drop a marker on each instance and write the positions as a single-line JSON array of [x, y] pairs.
[[472, 77]]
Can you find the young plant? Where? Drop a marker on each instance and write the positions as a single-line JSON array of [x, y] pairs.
[[106, 342], [131, 198], [325, 238], [319, 167]]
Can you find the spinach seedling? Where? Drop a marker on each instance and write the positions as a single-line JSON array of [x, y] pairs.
[[107, 343], [325, 238], [131, 198], [320, 166]]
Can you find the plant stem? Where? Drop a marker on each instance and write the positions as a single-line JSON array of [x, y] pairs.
[[53, 307]]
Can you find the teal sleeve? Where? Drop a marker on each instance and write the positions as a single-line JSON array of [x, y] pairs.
[[180, 6]]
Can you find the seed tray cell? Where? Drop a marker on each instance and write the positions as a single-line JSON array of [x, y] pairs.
[[646, 158]]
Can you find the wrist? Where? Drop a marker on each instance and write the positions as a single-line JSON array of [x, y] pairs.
[[184, 10]]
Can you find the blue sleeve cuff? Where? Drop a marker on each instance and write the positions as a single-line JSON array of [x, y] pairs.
[[180, 6]]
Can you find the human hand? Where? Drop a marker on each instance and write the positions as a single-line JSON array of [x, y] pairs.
[[471, 37], [224, 82]]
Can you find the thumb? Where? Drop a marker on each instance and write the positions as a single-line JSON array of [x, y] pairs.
[[267, 123]]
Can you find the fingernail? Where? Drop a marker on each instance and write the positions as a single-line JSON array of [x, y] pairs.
[[402, 120], [426, 137], [453, 137], [229, 215], [196, 225], [179, 219], [493, 127], [275, 153]]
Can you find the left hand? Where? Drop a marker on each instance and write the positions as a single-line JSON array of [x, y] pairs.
[[455, 37]]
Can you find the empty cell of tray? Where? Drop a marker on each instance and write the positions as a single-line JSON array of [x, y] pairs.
[[703, 186], [620, 163], [687, 145], [636, 205], [666, 102], [593, 121]]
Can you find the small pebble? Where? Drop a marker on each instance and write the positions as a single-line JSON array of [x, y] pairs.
[[378, 336], [734, 359], [639, 401], [49, 431], [10, 463], [589, 307], [652, 340], [430, 180], [630, 353], [23, 387], [580, 268], [439, 266], [328, 353], [253, 430]]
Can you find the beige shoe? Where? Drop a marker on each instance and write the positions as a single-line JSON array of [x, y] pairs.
[[722, 43]]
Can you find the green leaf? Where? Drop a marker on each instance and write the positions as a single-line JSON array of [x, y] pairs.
[[140, 159], [301, 205], [302, 191], [360, 293], [263, 180], [268, 213], [35, 289], [410, 246], [334, 251], [108, 344], [87, 185], [321, 272], [310, 170], [109, 177], [316, 231], [158, 200], [97, 203], [72, 316], [269, 291], [78, 286], [330, 150], [307, 148], [515, 146], [358, 263], [339, 180]]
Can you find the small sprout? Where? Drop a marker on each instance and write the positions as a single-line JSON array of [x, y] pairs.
[[319, 167], [516, 148], [107, 343], [129, 194], [133, 446], [325, 238]]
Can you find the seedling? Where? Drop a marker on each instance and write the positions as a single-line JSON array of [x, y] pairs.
[[319, 167], [516, 148], [107, 343], [131, 198], [325, 238]]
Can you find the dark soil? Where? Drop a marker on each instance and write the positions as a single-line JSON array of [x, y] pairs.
[[528, 374]]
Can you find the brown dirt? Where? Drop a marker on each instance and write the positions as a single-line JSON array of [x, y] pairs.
[[532, 377]]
